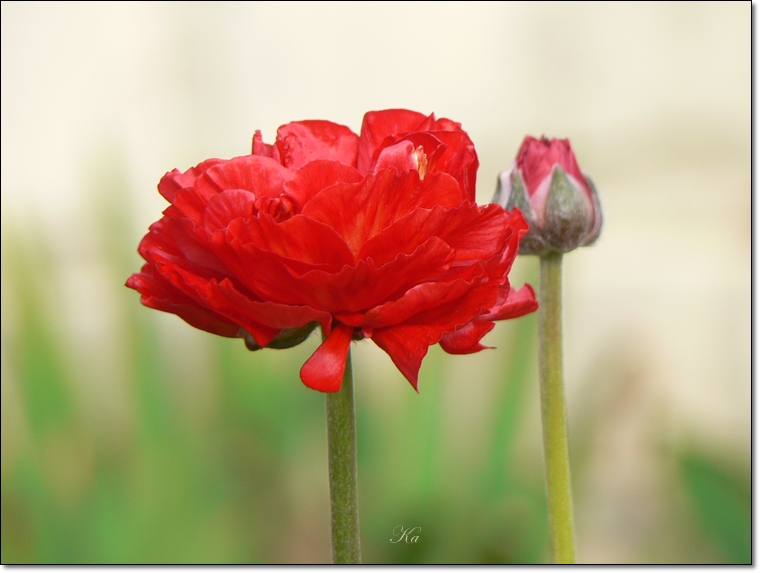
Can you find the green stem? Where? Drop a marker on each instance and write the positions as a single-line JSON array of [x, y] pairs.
[[344, 490], [553, 411]]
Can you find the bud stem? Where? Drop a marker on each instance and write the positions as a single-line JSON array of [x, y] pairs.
[[344, 490], [553, 411]]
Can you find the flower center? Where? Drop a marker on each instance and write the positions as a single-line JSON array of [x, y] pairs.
[[281, 208]]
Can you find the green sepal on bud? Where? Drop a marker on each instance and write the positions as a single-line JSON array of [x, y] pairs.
[[517, 196], [570, 217], [566, 218]]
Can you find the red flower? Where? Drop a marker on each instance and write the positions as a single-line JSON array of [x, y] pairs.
[[374, 236], [559, 202]]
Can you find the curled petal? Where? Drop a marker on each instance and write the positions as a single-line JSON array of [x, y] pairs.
[[510, 303], [459, 160], [356, 289], [303, 141], [324, 370], [452, 312], [513, 303], [188, 204], [399, 156], [377, 125], [407, 345], [466, 339], [176, 180], [227, 299], [419, 150], [260, 175]]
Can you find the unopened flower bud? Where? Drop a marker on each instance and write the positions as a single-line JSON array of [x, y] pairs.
[[287, 338], [559, 202]]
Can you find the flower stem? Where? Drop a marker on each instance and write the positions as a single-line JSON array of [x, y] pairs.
[[553, 411], [344, 491]]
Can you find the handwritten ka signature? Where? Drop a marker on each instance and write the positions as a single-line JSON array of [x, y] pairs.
[[408, 535]]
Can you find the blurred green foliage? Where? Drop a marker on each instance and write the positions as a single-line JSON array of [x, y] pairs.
[[176, 494], [721, 499], [247, 483]]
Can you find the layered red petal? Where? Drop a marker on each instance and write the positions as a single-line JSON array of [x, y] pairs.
[[359, 211], [181, 241], [510, 303], [263, 319], [474, 233], [419, 151], [308, 243], [176, 180], [408, 342], [513, 303], [161, 296], [227, 206], [352, 289], [303, 141], [262, 176], [316, 176], [459, 160], [377, 125]]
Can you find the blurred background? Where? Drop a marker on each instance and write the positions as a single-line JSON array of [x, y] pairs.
[[130, 437]]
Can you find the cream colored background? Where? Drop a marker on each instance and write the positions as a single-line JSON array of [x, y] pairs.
[[655, 98]]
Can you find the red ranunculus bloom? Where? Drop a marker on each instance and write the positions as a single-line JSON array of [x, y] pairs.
[[375, 236]]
